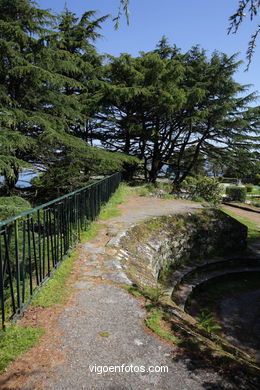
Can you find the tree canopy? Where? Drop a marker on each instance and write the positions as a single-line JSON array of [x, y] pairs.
[[164, 106], [80, 114], [49, 88]]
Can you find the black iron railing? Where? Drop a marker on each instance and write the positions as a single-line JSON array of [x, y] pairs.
[[33, 243]]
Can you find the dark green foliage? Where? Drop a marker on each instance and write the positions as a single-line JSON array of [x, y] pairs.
[[249, 188], [58, 100], [256, 203], [243, 164], [75, 168], [34, 111], [11, 206], [50, 89], [257, 179], [236, 193], [19, 76], [201, 188], [207, 321], [175, 109]]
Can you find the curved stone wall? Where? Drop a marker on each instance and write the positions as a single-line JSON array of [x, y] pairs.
[[177, 240], [183, 244]]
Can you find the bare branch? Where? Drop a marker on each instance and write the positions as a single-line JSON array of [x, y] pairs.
[[123, 7], [246, 8]]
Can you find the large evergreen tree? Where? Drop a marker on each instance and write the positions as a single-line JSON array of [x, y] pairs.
[[49, 89], [162, 104], [20, 21]]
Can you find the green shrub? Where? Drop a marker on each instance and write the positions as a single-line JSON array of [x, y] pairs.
[[256, 203], [198, 199], [143, 191], [12, 205], [236, 193], [249, 188], [257, 180], [159, 190], [168, 196], [203, 187]]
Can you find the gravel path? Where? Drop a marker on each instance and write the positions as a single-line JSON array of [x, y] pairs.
[[104, 326]]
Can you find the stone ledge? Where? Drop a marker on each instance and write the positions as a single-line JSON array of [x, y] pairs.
[[150, 246]]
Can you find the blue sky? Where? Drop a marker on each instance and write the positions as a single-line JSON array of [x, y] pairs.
[[185, 23]]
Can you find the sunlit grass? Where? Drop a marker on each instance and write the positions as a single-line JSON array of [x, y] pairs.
[[55, 290], [15, 341], [154, 322], [110, 210]]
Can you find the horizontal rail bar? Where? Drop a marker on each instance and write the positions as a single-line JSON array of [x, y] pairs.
[[51, 202]]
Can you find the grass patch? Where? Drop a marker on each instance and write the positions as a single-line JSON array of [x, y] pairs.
[[169, 197], [15, 341], [255, 203], [55, 290], [110, 210], [154, 294], [253, 230], [91, 233], [142, 191], [161, 190], [104, 334], [134, 290], [154, 321]]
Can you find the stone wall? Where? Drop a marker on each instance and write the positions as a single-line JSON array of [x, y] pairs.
[[175, 240]]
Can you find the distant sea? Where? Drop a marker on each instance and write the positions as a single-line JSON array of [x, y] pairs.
[[25, 178]]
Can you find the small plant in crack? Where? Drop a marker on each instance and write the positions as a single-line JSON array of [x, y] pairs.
[[207, 321], [104, 334], [155, 294]]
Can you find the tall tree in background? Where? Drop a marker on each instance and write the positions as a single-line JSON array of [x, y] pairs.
[[57, 99], [164, 104], [20, 80], [74, 36], [243, 164], [141, 95], [49, 89]]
